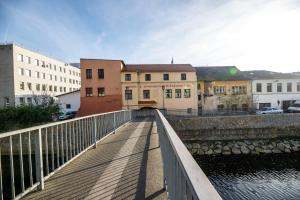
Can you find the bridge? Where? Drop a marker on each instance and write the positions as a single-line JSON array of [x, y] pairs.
[[116, 155]]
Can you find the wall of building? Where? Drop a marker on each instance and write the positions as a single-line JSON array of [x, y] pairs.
[[210, 100], [6, 75], [157, 100], [276, 99], [53, 73], [112, 100], [72, 98]]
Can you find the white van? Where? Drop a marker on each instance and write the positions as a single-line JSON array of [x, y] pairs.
[[295, 107]]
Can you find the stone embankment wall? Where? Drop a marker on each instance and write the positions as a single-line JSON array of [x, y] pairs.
[[226, 135], [244, 147], [236, 127]]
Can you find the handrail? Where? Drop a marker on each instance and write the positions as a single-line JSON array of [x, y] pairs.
[[16, 132], [52, 146], [183, 177]]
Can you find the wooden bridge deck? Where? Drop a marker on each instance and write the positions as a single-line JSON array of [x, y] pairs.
[[125, 165]]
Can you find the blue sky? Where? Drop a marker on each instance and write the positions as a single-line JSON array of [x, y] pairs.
[[252, 34]]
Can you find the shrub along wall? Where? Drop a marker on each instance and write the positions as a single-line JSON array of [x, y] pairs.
[[12, 118]]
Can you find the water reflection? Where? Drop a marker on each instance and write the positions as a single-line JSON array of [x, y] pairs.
[[263, 177]]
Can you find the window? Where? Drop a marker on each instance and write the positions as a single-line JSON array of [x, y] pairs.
[[50, 66], [127, 77], [22, 101], [55, 88], [128, 94], [43, 87], [29, 100], [65, 80], [60, 69], [219, 90], [44, 76], [50, 88], [168, 93], [239, 89], [37, 74], [183, 76], [199, 86], [22, 86], [258, 87], [36, 62], [298, 87], [60, 89], [245, 107], [37, 87], [89, 73], [234, 107], [28, 72], [101, 92], [289, 87], [68, 106], [70, 89], [89, 92], [269, 87], [29, 86], [21, 71], [6, 101], [61, 79], [166, 77], [70, 72], [177, 93], [50, 77], [54, 67], [147, 77], [220, 107], [187, 93], [64, 70], [146, 94], [27, 59], [279, 87], [65, 89], [101, 73], [20, 57], [43, 64], [55, 78]]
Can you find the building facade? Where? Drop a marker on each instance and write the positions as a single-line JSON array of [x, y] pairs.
[[69, 101], [162, 86], [100, 86], [223, 88], [27, 76], [272, 89]]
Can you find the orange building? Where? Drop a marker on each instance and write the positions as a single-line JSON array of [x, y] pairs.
[[101, 89]]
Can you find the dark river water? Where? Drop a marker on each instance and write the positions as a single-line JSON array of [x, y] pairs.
[[263, 177]]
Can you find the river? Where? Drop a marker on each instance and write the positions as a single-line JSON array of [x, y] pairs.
[[254, 177]]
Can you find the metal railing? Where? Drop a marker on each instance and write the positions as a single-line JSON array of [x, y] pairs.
[[183, 177], [29, 156]]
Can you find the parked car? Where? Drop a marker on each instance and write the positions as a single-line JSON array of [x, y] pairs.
[[295, 107], [269, 110], [67, 115]]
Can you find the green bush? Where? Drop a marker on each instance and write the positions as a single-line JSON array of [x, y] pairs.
[[12, 118]]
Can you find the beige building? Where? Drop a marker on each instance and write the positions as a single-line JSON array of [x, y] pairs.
[[26, 76], [223, 88], [163, 86]]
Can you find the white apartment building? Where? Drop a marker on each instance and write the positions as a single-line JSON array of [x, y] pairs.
[[26, 75], [273, 89]]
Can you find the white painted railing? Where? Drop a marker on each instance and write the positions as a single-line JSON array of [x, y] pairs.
[[34, 154], [183, 177]]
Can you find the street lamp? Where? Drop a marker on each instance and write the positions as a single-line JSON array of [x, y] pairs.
[[126, 96], [163, 89]]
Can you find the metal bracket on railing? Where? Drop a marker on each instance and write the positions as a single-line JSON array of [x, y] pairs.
[[39, 160], [95, 133], [114, 122]]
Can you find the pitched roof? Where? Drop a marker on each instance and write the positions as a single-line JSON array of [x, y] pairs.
[[158, 68], [222, 73], [263, 74]]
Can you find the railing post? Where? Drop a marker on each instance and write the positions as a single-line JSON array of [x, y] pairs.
[[114, 122], [39, 160], [124, 117], [95, 132]]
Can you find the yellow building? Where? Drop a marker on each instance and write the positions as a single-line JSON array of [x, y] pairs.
[[163, 86], [223, 88]]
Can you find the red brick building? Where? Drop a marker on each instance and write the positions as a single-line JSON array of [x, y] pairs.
[[101, 89]]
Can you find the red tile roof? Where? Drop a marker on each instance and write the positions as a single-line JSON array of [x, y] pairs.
[[158, 68]]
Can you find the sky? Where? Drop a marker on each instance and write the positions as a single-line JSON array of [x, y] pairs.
[[252, 34]]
